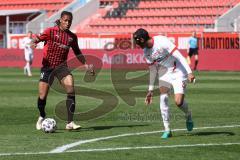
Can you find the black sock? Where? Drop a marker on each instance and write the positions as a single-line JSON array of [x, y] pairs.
[[196, 63], [70, 103], [41, 107]]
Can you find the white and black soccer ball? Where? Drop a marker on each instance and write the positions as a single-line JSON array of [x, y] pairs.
[[49, 125]]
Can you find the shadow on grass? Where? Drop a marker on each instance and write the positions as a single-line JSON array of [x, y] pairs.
[[212, 133], [110, 127], [206, 134], [95, 128]]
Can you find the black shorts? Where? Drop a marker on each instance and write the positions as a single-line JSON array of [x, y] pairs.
[[193, 51], [48, 74]]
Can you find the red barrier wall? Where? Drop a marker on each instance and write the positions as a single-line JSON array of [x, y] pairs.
[[225, 60]]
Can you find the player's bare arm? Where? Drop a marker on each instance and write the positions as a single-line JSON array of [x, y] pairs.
[[191, 77], [148, 99], [88, 67], [178, 55], [81, 58], [33, 43]]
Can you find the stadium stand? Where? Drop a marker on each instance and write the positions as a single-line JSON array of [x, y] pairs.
[[119, 16], [50, 7], [16, 14]]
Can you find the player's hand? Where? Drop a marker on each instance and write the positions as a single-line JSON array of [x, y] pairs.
[[191, 78], [33, 45], [90, 69], [148, 99]]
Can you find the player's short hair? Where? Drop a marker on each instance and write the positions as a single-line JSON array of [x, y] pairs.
[[66, 13], [63, 13], [141, 33]]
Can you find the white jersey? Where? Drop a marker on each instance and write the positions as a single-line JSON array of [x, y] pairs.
[[27, 47], [161, 54], [168, 63]]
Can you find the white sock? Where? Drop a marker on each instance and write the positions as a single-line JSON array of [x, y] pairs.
[[25, 69], [165, 111], [185, 109], [28, 69]]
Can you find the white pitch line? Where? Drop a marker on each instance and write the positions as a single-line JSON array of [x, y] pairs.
[[23, 153], [71, 145], [123, 148], [152, 147], [18, 80], [63, 148]]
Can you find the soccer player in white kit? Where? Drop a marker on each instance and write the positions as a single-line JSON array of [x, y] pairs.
[[28, 53], [173, 72]]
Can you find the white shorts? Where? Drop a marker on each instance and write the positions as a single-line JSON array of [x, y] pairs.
[[175, 81], [28, 57]]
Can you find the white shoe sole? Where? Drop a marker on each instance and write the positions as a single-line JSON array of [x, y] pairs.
[[73, 128]]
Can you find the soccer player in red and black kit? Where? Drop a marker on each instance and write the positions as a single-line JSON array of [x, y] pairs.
[[57, 42]]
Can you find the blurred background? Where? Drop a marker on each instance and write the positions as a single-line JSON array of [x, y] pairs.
[[107, 25]]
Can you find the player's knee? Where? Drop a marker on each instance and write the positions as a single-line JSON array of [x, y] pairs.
[[70, 90], [42, 95], [67, 80], [179, 102]]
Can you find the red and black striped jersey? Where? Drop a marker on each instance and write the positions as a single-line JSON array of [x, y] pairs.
[[56, 46]]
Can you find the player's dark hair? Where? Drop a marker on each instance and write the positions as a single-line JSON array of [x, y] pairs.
[[57, 22], [141, 33]]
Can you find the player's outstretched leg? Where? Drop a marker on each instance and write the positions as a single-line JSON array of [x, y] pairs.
[[43, 88], [68, 83], [189, 122], [195, 66], [70, 103], [28, 67], [189, 60], [183, 105], [188, 115], [25, 70], [39, 123], [166, 134], [165, 115], [72, 126], [196, 63], [41, 108]]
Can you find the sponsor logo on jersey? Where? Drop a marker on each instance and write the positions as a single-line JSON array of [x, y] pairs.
[[61, 45], [41, 75], [70, 40], [160, 54]]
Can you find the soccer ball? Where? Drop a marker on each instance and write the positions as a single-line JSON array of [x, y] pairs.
[[49, 125]]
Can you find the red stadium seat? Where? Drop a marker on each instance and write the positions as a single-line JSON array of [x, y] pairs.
[[50, 6], [161, 16]]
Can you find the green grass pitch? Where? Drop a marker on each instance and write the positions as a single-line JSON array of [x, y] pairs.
[[214, 101]]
